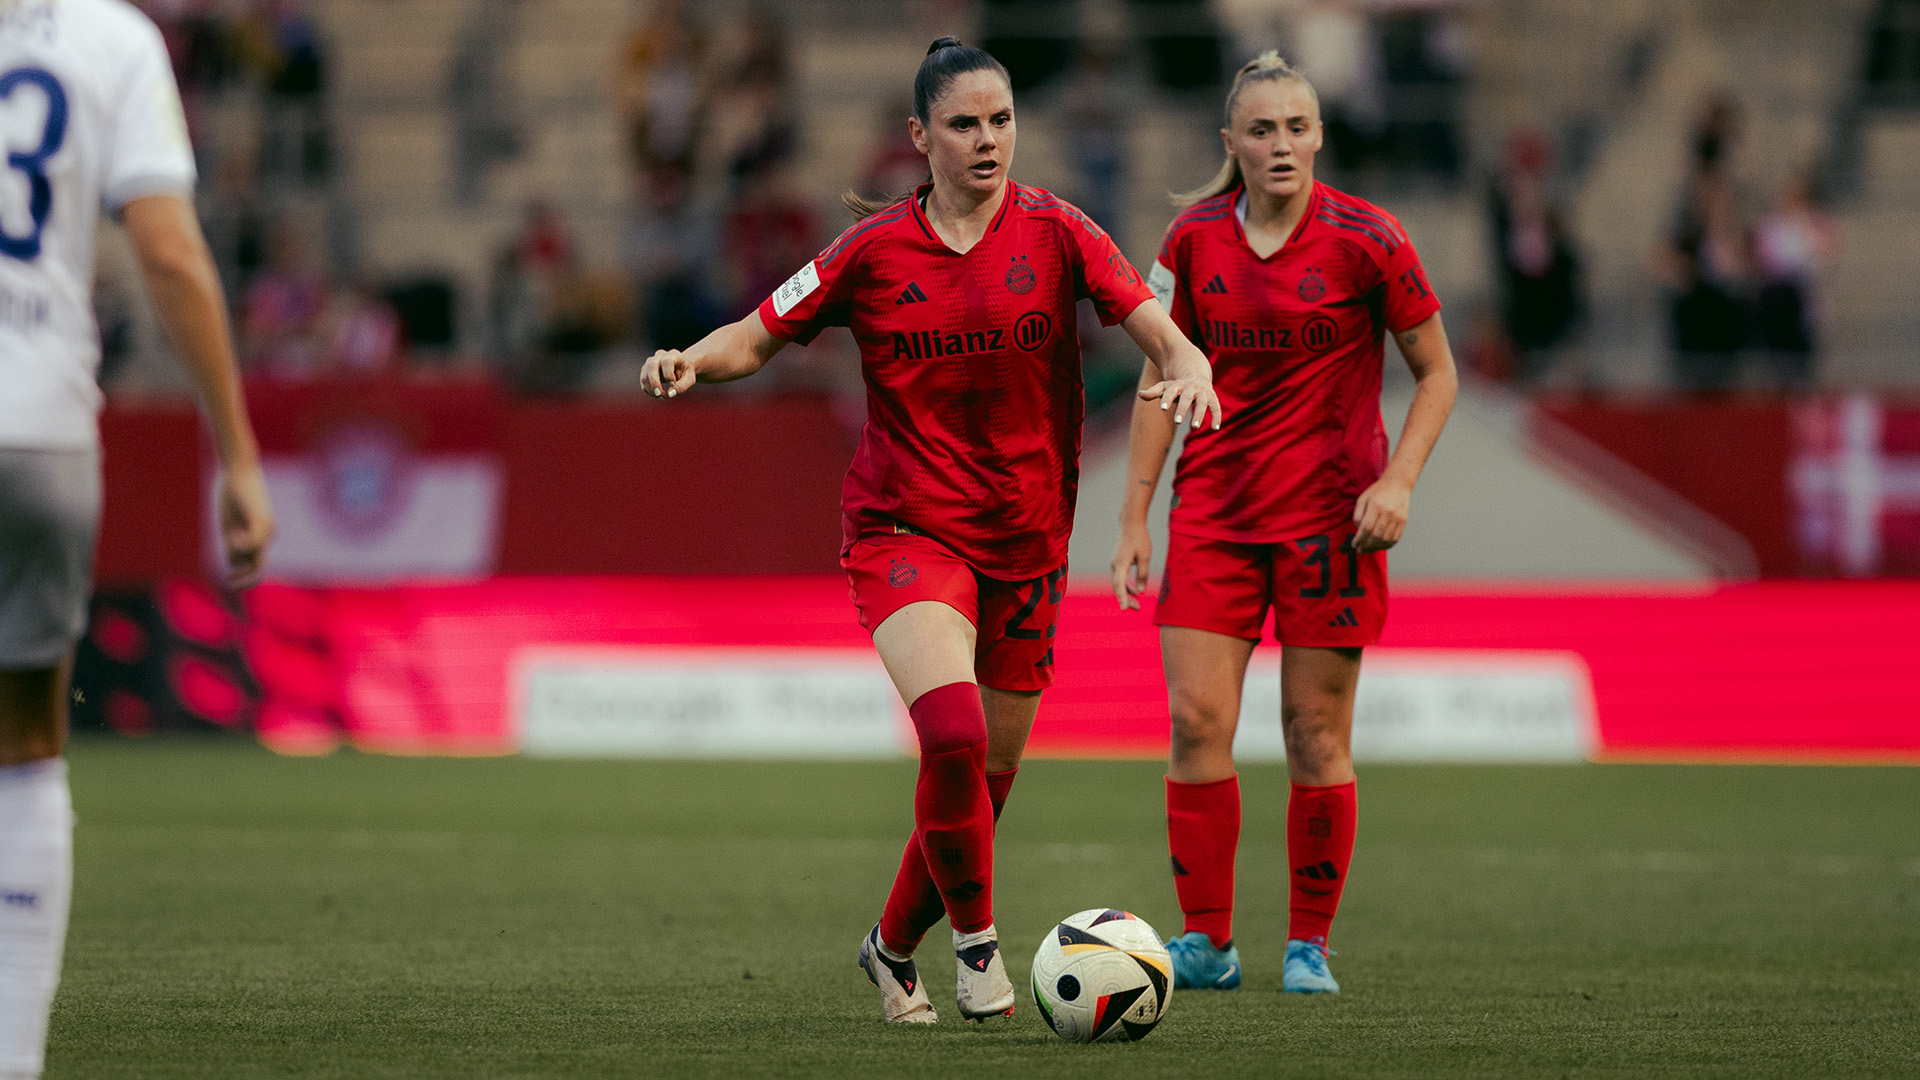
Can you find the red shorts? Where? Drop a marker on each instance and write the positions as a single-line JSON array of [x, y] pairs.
[[1014, 621], [1322, 592]]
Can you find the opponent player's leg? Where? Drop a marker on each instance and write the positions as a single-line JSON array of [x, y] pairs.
[[1317, 687], [1205, 671], [49, 510]]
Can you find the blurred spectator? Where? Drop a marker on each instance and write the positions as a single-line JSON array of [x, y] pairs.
[[660, 93], [1097, 141], [1539, 269], [1339, 53], [283, 308], [769, 233], [281, 42], [671, 253], [365, 338], [1792, 243], [480, 98], [525, 283], [1706, 260], [754, 122], [894, 165]]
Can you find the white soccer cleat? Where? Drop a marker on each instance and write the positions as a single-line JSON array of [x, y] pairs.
[[980, 985], [903, 1000]]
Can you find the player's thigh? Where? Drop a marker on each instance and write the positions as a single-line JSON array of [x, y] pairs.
[[49, 522], [919, 601], [1019, 621], [1010, 716], [1326, 594]]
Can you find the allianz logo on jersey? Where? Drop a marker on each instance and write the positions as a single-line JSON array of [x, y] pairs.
[[1029, 333], [1317, 334]]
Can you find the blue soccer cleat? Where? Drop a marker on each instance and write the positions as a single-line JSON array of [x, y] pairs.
[[1198, 965], [1306, 968]]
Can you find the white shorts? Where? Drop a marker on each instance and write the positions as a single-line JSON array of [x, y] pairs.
[[49, 520]]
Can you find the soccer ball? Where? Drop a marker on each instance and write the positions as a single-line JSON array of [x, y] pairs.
[[1102, 975]]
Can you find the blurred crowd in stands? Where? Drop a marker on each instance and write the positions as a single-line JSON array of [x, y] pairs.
[[710, 136], [706, 106], [1740, 271]]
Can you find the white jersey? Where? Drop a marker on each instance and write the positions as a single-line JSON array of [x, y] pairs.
[[90, 119]]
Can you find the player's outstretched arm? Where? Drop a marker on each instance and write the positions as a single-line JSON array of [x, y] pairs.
[[179, 274], [1381, 511], [1148, 442], [1186, 383], [734, 351]]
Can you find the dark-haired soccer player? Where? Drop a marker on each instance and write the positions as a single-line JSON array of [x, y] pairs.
[[960, 498], [93, 122], [1290, 286]]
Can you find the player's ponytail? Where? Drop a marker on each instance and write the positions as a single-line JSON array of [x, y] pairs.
[[1263, 68], [946, 60]]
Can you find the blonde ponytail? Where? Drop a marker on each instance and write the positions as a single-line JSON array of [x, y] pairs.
[[1263, 68]]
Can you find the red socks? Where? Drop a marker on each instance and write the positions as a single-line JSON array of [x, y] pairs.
[[1320, 825], [914, 906], [948, 865], [1203, 831]]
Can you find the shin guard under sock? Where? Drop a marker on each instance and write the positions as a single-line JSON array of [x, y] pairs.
[[953, 821], [914, 906], [1320, 830], [1203, 832], [36, 885]]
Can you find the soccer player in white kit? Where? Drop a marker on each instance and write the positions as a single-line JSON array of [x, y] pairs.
[[90, 120]]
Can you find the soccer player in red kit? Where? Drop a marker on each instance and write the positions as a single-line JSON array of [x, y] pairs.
[[960, 498], [1290, 287]]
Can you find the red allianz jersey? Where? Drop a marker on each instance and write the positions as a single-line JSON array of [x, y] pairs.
[[1297, 344], [972, 365]]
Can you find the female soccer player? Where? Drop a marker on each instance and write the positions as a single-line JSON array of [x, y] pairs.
[[1289, 285], [94, 121], [960, 498]]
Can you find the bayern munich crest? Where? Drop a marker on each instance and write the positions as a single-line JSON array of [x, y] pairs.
[[1020, 276], [365, 476], [902, 574], [1313, 286]]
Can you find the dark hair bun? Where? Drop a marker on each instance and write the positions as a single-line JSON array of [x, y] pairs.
[[944, 43]]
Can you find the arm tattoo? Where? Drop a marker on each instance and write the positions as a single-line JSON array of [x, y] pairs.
[[1409, 338]]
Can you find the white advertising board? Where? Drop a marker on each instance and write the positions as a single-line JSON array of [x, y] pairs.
[[719, 702], [1442, 705]]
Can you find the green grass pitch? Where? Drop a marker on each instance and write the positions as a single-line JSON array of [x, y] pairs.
[[239, 915]]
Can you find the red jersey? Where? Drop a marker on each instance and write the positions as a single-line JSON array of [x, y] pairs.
[[1297, 344], [972, 365]]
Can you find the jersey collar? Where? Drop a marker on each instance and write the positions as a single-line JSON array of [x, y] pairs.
[[919, 202], [1240, 222]]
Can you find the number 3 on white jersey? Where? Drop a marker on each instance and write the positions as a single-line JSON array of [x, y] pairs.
[[15, 87]]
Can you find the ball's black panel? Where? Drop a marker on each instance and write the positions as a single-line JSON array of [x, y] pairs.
[[1136, 1032], [1112, 1008], [1068, 988]]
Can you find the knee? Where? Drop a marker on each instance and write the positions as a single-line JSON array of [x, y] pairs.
[[1203, 723], [1318, 738]]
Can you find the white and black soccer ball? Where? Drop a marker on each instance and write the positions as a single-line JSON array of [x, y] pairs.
[[1102, 975]]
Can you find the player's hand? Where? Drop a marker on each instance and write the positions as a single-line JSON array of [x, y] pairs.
[[1186, 397], [1132, 556], [1380, 516], [246, 523], [667, 373]]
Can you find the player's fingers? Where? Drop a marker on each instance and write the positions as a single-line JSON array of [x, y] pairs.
[[1156, 392], [1183, 408], [1211, 404]]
